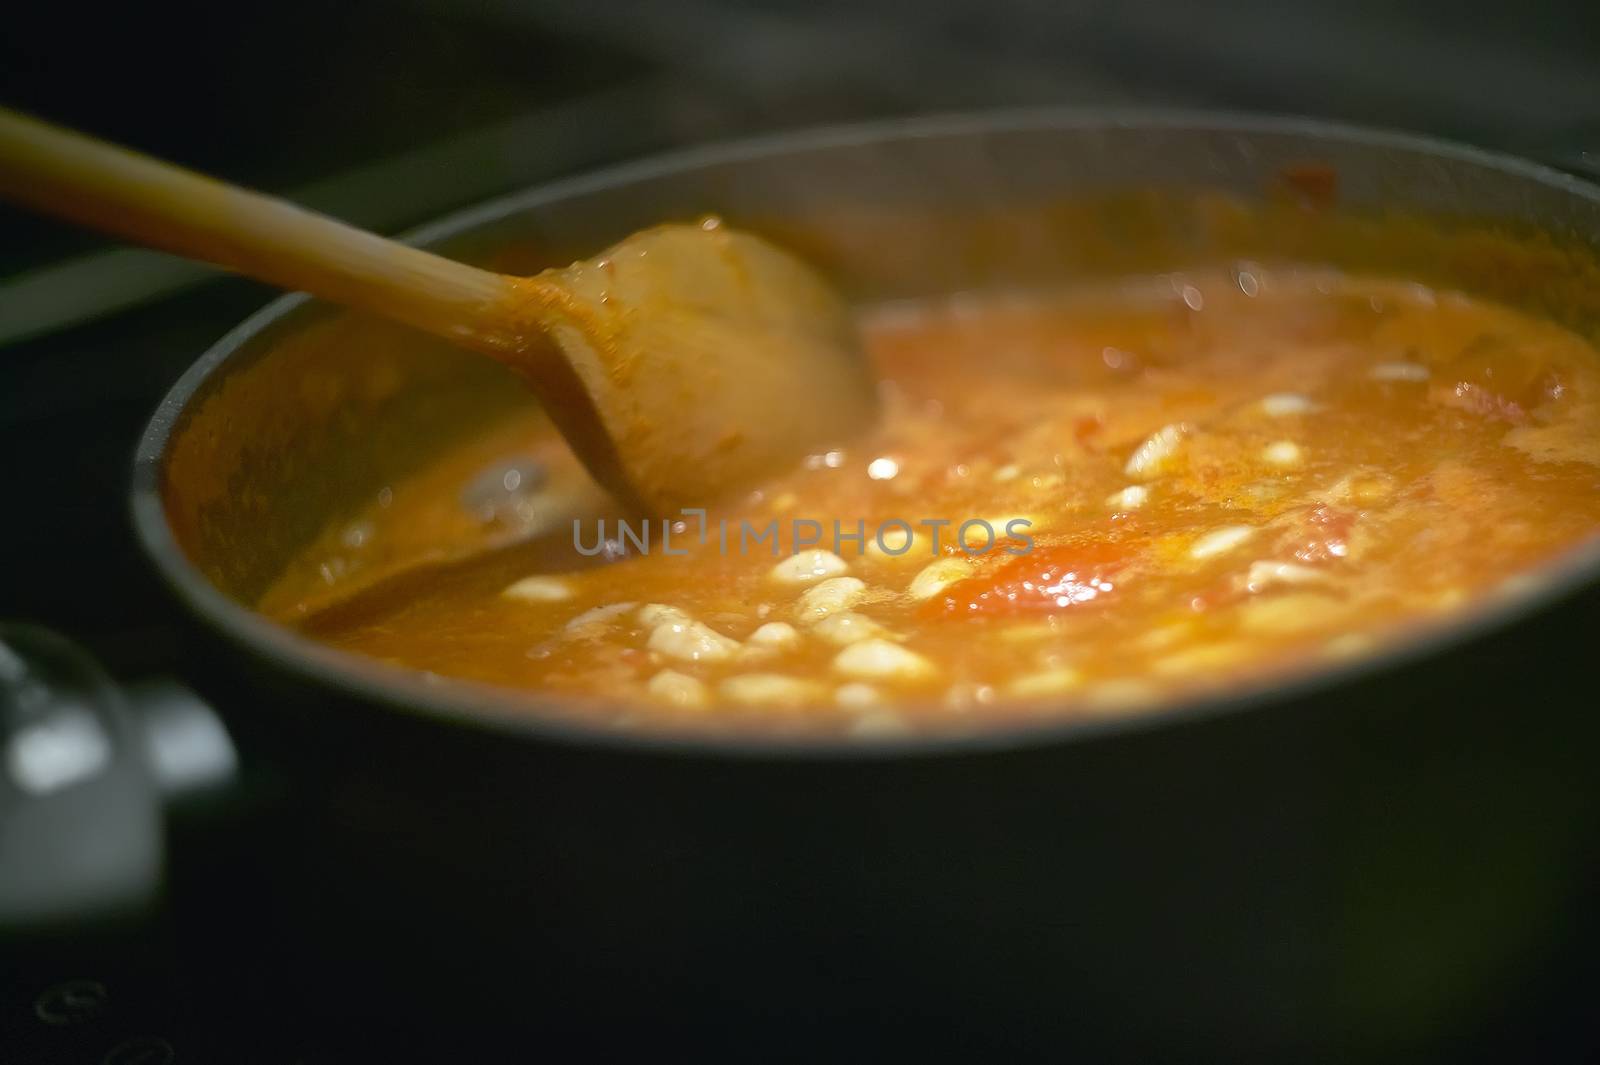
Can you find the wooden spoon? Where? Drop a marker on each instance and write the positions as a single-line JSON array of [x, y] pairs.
[[682, 363]]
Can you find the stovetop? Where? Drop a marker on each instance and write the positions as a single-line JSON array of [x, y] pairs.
[[395, 113]]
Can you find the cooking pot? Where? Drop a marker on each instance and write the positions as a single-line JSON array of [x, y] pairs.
[[1391, 858]]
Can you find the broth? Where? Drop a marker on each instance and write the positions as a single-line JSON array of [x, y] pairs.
[[1179, 484]]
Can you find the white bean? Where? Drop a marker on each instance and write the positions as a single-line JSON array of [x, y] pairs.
[[1050, 682], [1220, 540], [1151, 458], [691, 641], [881, 659], [599, 617], [1264, 574], [778, 635], [1130, 498], [857, 696], [653, 614], [809, 565], [770, 689], [678, 689], [1285, 404], [936, 576], [539, 590], [1283, 453], [848, 627], [830, 597], [1290, 613]]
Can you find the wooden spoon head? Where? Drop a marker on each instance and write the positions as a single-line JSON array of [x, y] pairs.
[[709, 358]]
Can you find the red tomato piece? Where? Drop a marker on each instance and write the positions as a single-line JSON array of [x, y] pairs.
[[1046, 579]]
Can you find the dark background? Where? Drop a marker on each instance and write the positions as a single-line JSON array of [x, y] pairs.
[[391, 113]]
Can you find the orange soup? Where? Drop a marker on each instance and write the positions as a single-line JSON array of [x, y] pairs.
[[1077, 504]]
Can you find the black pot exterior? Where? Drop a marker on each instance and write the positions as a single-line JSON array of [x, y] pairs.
[[1401, 868], [1400, 865]]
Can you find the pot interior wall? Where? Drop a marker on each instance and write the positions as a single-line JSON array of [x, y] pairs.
[[316, 411]]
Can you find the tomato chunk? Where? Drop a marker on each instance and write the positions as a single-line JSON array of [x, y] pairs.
[[1046, 579]]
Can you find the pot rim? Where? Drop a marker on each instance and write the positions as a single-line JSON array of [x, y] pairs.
[[519, 713]]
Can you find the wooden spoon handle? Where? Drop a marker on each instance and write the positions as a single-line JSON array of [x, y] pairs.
[[167, 207]]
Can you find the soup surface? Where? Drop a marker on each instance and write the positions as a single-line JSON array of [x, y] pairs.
[[1077, 504]]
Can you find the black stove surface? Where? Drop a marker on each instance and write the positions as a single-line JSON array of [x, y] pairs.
[[201, 978], [211, 974]]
